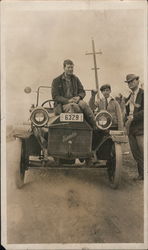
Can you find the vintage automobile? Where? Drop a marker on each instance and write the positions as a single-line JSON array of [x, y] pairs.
[[69, 139]]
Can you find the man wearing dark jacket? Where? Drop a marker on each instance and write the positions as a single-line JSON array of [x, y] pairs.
[[68, 94], [135, 122]]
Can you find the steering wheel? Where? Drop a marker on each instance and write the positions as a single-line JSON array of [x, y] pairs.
[[47, 101]]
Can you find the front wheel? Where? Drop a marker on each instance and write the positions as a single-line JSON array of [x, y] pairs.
[[114, 165], [21, 168]]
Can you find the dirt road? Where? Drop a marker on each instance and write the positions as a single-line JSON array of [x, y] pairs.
[[73, 206]]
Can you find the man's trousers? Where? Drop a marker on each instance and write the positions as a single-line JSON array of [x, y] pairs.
[[137, 148]]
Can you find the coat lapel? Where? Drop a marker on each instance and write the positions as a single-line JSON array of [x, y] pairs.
[[138, 101], [139, 97]]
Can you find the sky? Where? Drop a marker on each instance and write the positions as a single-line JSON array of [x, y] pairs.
[[38, 41]]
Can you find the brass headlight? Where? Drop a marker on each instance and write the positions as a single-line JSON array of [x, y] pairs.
[[39, 117], [103, 120]]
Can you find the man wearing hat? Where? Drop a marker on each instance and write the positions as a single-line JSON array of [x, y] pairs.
[[135, 121]]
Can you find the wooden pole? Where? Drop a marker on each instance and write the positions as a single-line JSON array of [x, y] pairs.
[[95, 66]]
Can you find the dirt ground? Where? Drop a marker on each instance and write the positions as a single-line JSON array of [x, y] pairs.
[[74, 205]]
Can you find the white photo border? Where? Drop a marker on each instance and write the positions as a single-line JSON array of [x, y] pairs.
[[65, 5]]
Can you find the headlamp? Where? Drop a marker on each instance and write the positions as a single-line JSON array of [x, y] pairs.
[[39, 117], [103, 120]]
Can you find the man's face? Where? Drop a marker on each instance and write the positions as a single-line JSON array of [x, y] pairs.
[[133, 85], [69, 69], [106, 92]]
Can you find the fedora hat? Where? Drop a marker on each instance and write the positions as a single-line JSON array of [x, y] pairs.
[[131, 77]]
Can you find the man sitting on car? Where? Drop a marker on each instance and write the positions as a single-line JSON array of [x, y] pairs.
[[68, 94]]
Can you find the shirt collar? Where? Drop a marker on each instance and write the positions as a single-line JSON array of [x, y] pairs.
[[135, 92], [64, 77], [109, 98]]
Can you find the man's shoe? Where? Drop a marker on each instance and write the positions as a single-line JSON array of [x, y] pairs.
[[139, 178]]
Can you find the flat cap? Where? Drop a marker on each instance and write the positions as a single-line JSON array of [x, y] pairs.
[[105, 86]]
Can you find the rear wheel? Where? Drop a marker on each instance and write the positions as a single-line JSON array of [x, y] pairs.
[[114, 165], [24, 161]]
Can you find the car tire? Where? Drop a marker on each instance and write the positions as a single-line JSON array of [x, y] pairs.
[[24, 161], [114, 165]]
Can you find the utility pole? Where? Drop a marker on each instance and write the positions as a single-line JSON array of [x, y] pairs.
[[94, 53]]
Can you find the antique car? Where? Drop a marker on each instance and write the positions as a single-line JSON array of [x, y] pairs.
[[68, 139]]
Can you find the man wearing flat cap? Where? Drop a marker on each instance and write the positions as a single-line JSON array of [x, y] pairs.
[[135, 122], [108, 103]]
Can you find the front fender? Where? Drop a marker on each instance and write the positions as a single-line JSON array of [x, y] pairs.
[[118, 136], [32, 145], [104, 147], [104, 139], [23, 135]]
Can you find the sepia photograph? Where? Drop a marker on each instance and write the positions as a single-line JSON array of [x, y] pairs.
[[74, 125]]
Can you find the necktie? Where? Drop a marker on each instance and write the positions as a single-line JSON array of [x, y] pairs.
[[132, 98], [131, 104]]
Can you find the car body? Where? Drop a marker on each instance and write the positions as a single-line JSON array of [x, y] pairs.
[[68, 139]]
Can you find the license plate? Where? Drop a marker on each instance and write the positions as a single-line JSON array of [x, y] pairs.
[[71, 117]]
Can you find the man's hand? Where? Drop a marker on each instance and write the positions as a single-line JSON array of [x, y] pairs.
[[130, 117], [70, 100], [128, 123], [94, 92], [75, 99]]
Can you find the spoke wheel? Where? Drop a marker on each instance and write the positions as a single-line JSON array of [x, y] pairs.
[[114, 165], [24, 161]]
